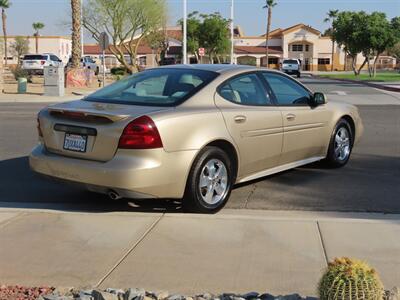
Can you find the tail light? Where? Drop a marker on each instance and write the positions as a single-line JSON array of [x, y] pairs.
[[141, 133], [42, 62], [40, 133]]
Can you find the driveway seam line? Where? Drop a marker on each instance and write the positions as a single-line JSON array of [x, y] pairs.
[[248, 197], [5, 223], [321, 239], [152, 226]]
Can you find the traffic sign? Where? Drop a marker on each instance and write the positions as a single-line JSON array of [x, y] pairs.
[[103, 41], [202, 51]]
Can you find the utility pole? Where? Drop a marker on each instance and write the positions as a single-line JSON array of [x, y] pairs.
[[184, 32], [232, 33]]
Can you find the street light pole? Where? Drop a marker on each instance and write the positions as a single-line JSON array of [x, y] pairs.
[[184, 32], [232, 33]]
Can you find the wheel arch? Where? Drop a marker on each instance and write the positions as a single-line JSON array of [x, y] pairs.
[[350, 120]]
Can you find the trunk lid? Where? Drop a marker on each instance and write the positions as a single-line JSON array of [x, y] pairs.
[[88, 130]]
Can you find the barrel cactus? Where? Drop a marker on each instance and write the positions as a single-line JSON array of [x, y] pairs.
[[349, 279]]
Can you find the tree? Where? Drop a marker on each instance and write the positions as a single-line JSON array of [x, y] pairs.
[[76, 33], [193, 24], [5, 4], [37, 27], [158, 42], [349, 32], [395, 51], [331, 16], [127, 22], [214, 35], [20, 47], [269, 4]]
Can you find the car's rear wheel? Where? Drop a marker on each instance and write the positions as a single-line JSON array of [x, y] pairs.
[[340, 145], [209, 183]]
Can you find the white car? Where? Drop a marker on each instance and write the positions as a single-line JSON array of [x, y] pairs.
[[34, 63], [291, 66], [87, 62]]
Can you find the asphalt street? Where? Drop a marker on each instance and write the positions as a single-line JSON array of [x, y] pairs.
[[369, 183]]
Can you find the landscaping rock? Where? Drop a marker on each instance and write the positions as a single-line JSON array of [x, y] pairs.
[[250, 296], [135, 294], [162, 295], [394, 294]]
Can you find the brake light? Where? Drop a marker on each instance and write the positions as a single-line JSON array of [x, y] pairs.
[[42, 62], [40, 133], [141, 133]]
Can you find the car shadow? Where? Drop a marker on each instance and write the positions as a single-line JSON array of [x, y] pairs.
[[20, 187]]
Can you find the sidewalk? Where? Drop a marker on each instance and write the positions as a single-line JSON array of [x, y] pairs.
[[278, 252]]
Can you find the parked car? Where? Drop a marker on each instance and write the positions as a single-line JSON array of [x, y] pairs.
[[292, 66], [168, 61], [34, 63], [192, 132], [88, 63]]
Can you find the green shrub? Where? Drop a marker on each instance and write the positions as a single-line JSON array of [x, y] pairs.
[[18, 72], [349, 279], [118, 71]]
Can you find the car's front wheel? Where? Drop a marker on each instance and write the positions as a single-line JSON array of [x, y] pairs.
[[209, 183], [340, 145]]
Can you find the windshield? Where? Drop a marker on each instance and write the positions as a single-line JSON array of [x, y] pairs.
[[290, 61], [155, 87], [35, 57]]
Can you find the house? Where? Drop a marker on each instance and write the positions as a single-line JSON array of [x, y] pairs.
[[58, 45]]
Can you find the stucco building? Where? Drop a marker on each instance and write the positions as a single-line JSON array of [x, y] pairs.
[[299, 41], [58, 45]]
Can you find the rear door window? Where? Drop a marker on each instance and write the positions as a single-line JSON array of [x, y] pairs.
[[245, 89]]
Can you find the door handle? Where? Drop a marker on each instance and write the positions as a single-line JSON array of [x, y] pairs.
[[290, 117], [240, 119]]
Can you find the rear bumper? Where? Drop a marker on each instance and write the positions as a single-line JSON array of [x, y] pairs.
[[291, 71], [34, 71], [132, 173]]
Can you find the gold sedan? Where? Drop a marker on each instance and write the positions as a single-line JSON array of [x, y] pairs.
[[192, 132]]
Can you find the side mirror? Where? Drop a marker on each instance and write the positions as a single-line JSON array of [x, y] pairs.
[[318, 99]]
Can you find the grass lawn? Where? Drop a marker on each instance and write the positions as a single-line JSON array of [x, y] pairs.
[[380, 76]]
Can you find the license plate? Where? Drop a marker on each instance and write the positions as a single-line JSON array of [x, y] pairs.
[[75, 142]]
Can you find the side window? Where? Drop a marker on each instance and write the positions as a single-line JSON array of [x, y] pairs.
[[287, 91], [246, 89], [54, 58]]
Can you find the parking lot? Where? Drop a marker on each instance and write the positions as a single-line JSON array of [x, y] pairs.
[[369, 183]]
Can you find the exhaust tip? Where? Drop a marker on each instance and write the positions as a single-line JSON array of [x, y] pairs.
[[114, 195]]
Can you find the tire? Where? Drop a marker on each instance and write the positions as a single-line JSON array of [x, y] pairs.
[[298, 75], [97, 71], [338, 156], [211, 195]]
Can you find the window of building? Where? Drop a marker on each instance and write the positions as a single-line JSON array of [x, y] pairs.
[[273, 60], [307, 48], [324, 61], [297, 48]]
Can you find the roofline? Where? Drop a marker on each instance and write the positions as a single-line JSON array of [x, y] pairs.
[[66, 37]]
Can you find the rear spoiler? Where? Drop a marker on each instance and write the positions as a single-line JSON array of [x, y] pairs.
[[85, 115]]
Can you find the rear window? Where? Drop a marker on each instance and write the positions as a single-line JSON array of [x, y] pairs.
[[35, 57], [155, 87], [290, 61]]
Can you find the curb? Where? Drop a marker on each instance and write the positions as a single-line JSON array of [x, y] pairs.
[[366, 83]]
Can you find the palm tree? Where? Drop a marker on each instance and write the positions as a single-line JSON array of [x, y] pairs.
[[331, 17], [37, 26], [4, 4], [76, 33], [269, 4]]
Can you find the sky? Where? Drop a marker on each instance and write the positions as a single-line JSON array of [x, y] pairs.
[[249, 14]]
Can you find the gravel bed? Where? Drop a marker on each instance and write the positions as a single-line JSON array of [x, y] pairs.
[[50, 293]]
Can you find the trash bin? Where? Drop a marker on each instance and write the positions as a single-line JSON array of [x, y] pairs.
[[22, 84]]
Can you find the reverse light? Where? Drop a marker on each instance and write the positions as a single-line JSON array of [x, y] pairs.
[[141, 133]]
